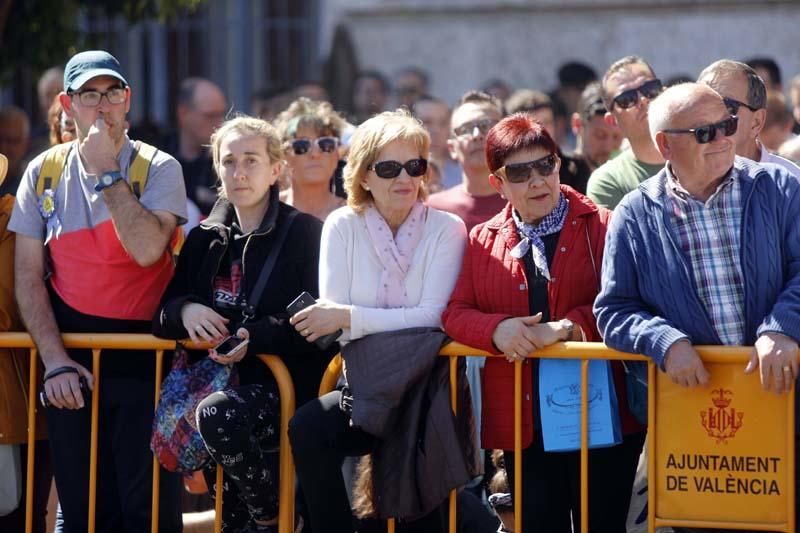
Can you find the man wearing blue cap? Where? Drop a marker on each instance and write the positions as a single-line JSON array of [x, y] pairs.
[[94, 254]]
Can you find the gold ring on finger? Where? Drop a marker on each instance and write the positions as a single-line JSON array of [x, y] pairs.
[[787, 368], [305, 332]]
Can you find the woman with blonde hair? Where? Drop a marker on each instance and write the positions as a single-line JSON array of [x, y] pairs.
[[311, 132], [388, 263], [207, 301]]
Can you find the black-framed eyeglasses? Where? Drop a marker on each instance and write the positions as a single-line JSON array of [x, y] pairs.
[[649, 89], [475, 128], [91, 97], [522, 172], [325, 144], [391, 169], [708, 132], [733, 105]]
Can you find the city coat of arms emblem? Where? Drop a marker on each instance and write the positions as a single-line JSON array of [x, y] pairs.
[[721, 421]]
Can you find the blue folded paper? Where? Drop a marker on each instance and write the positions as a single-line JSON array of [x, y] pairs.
[[560, 405]]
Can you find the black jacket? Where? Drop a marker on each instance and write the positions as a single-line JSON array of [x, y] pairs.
[[198, 173], [295, 271], [575, 171], [401, 394]]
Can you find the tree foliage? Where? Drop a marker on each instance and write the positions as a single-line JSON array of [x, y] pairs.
[[133, 10], [36, 34]]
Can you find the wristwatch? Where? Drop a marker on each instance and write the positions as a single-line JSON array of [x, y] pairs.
[[107, 179], [568, 325]]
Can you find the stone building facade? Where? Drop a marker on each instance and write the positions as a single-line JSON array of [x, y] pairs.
[[462, 43]]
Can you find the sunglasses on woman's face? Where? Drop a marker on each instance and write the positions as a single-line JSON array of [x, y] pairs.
[[391, 169], [649, 89], [521, 172], [707, 133], [325, 144]]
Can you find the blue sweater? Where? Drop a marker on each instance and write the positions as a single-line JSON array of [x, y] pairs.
[[648, 299]]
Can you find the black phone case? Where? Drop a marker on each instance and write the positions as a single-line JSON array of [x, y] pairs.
[[300, 303]]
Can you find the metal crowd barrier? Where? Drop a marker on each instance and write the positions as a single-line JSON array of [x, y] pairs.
[[99, 342], [584, 351], [568, 350]]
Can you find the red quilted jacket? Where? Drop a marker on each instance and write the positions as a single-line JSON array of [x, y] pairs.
[[492, 287]]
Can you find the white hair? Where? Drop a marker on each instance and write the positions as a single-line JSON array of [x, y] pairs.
[[671, 102]]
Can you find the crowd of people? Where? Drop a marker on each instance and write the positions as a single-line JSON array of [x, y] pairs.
[[489, 223]]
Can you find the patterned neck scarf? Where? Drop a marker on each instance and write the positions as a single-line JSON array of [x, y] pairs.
[[395, 252], [532, 235]]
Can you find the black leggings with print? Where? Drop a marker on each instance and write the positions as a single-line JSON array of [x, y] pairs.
[[241, 429]]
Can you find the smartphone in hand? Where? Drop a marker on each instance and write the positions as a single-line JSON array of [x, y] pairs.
[[84, 386], [231, 346], [306, 300]]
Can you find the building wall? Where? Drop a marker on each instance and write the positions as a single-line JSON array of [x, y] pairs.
[[462, 43]]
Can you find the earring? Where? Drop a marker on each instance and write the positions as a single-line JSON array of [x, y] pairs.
[[366, 187]]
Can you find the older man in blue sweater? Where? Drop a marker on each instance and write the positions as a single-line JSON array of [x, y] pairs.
[[707, 251]]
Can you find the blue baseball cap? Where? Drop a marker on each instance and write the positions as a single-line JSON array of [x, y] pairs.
[[87, 65]]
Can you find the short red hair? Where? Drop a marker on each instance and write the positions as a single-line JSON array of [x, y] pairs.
[[514, 133]]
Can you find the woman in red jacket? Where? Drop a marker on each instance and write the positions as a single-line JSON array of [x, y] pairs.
[[529, 278]]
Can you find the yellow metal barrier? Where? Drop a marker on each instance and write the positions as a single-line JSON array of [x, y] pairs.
[[587, 352], [286, 507], [99, 342], [733, 466], [569, 350]]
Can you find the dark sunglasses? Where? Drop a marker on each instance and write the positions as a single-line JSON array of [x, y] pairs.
[[483, 126], [707, 133], [733, 106], [391, 169], [649, 89], [521, 172], [325, 144]]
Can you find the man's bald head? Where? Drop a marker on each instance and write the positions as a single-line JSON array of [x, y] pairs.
[[49, 85], [201, 109], [15, 137], [698, 161], [674, 106], [194, 90]]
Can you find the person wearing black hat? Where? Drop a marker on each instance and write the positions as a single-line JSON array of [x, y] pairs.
[[596, 139], [573, 77], [109, 243]]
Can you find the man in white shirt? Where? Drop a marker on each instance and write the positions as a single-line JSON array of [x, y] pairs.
[[745, 95]]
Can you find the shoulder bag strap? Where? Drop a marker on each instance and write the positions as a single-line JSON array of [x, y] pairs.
[[591, 256], [269, 264]]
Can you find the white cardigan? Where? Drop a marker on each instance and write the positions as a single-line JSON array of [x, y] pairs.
[[350, 271]]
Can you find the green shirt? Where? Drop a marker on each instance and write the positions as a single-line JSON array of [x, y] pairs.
[[617, 177]]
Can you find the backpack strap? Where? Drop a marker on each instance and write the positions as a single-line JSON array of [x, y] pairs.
[[56, 160], [141, 158], [52, 168]]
